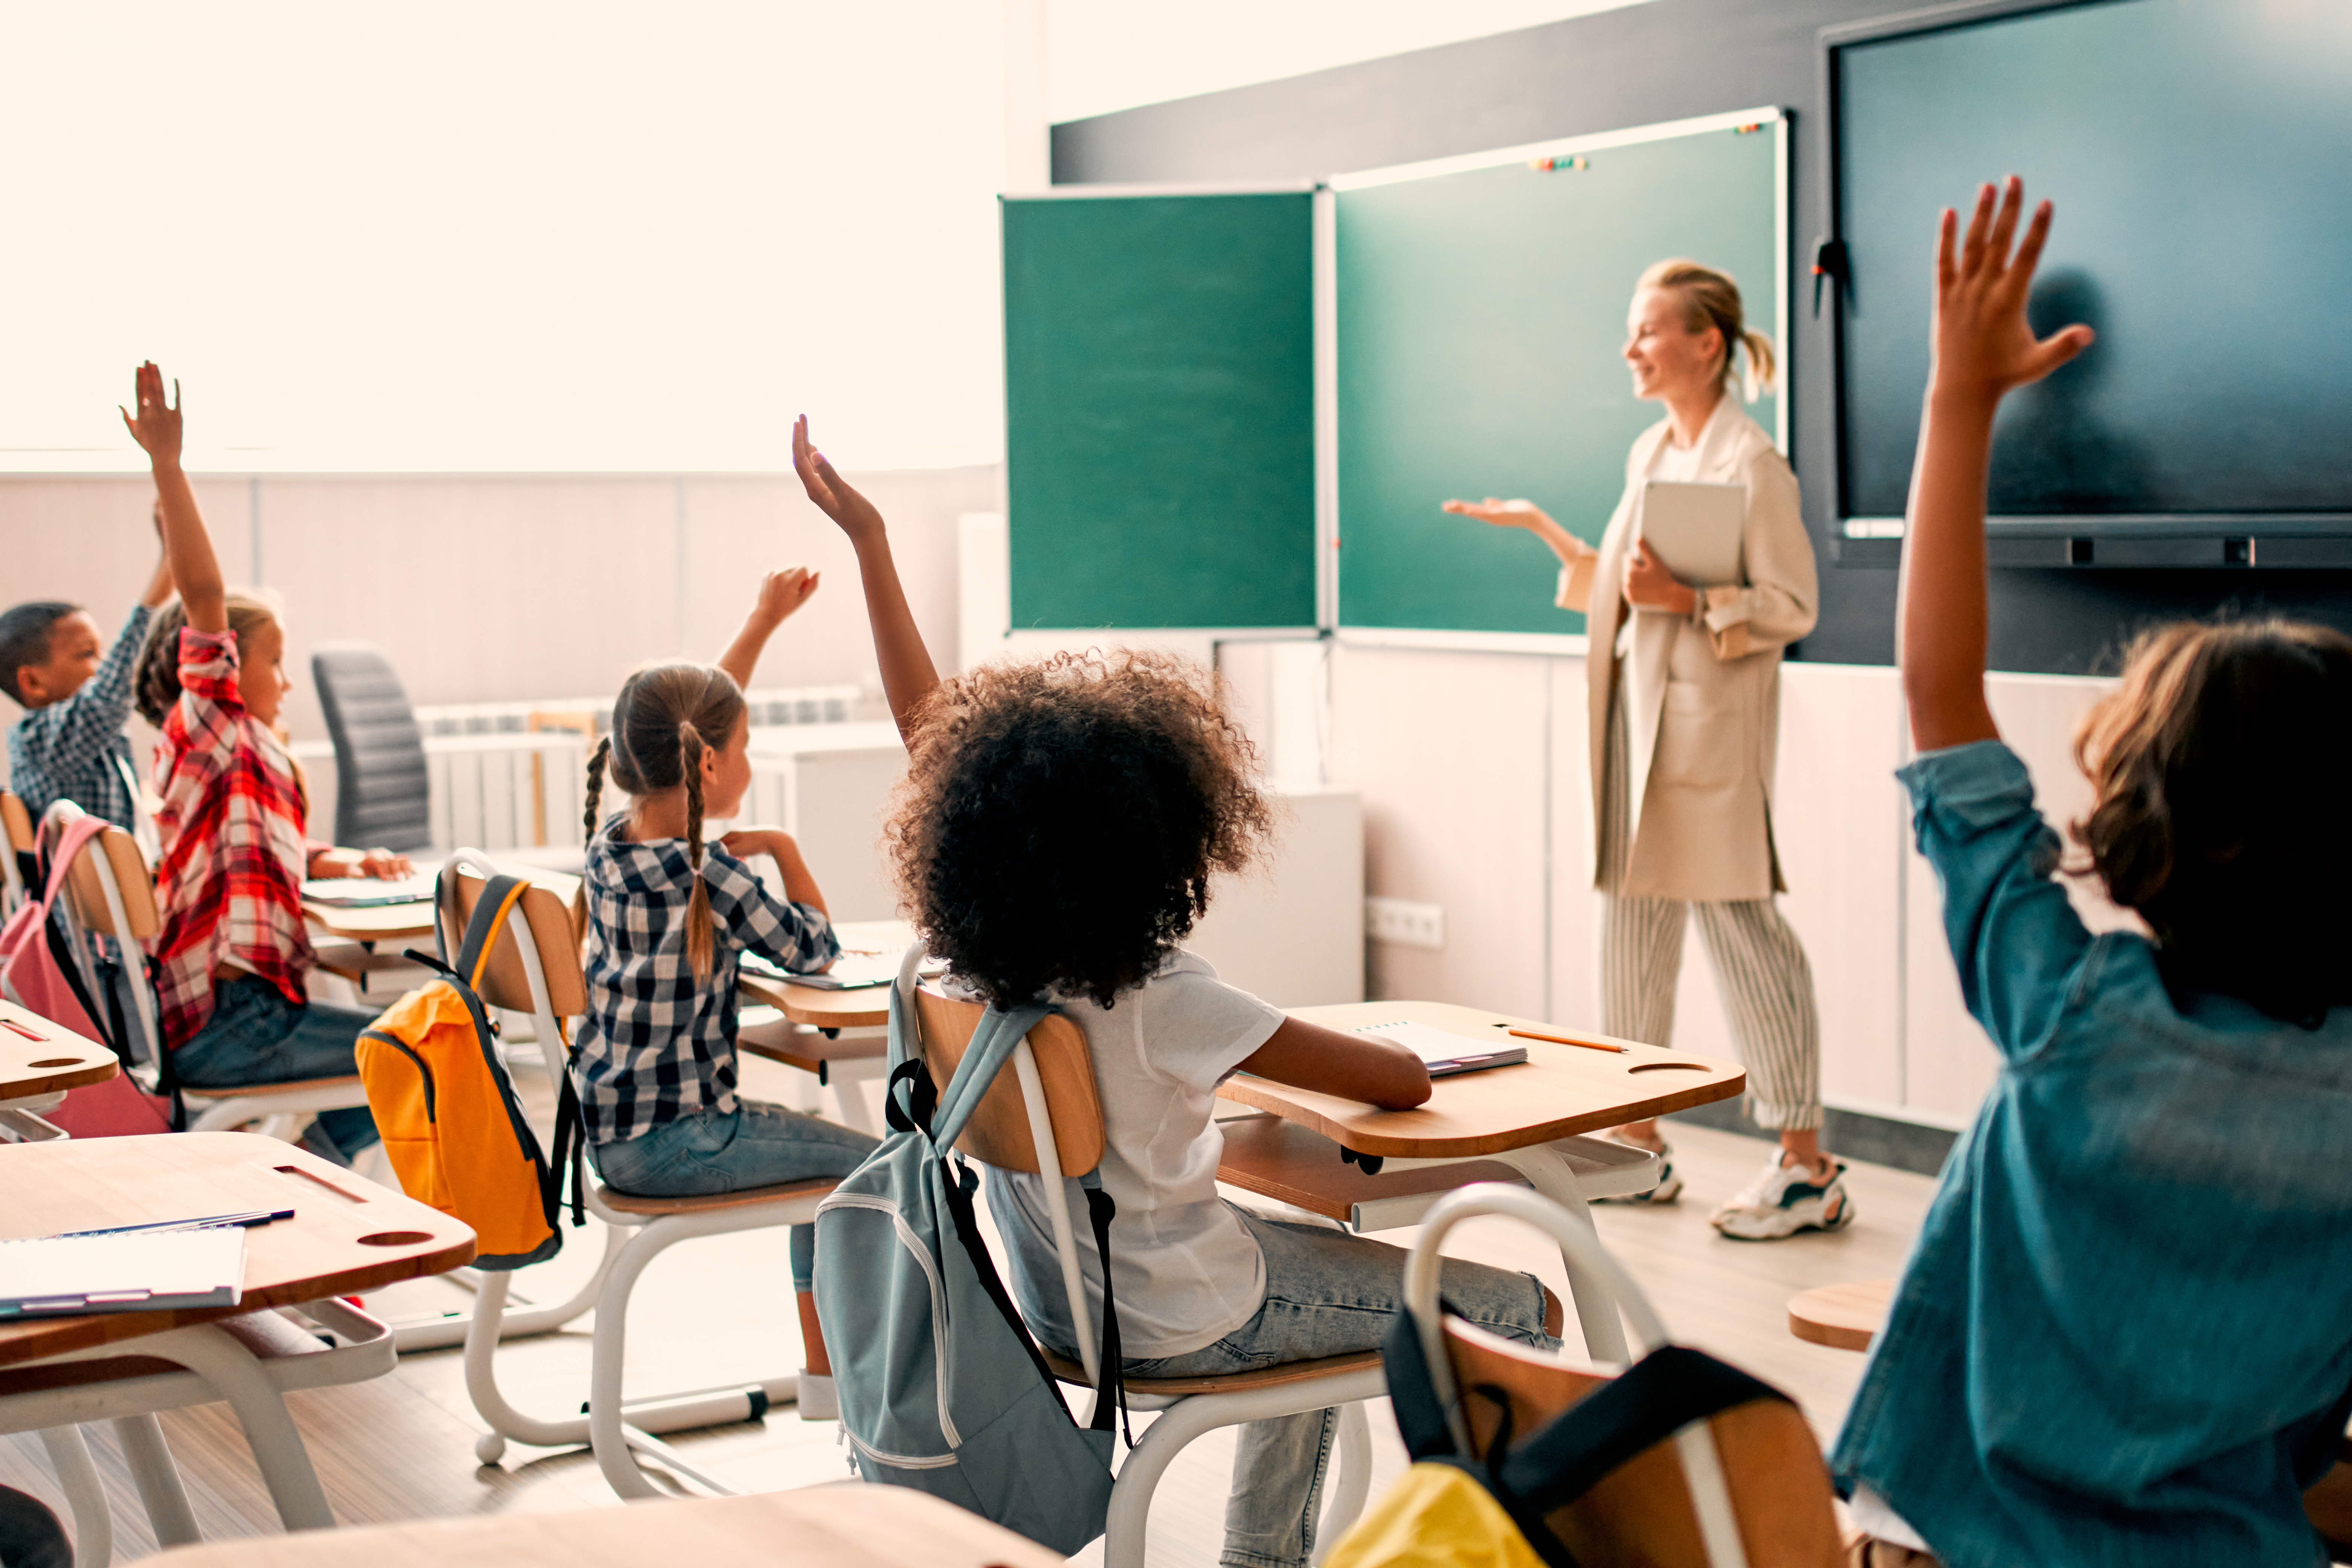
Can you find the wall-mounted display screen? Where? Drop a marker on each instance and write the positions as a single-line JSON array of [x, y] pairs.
[[2200, 154]]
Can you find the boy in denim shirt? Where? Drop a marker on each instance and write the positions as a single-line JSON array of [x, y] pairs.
[[2125, 1335]]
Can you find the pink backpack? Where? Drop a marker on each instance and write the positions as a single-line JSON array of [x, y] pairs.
[[33, 978]]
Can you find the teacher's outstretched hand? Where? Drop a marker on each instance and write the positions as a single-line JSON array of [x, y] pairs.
[[1524, 514]]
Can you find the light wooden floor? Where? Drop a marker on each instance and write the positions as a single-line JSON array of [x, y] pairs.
[[717, 1311]]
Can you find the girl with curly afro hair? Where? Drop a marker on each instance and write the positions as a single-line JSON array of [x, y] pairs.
[[1060, 829]]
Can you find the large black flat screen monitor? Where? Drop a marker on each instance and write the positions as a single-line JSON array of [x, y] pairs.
[[2200, 152]]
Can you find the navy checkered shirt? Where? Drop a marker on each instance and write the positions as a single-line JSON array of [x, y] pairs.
[[656, 1043], [75, 750]]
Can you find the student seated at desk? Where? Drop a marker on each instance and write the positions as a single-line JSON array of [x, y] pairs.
[[233, 956], [2124, 1334], [1059, 830], [668, 917], [69, 745]]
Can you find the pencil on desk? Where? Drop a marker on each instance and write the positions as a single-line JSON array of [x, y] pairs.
[[1565, 1040]]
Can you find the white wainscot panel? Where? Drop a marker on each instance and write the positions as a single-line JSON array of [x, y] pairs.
[[1291, 930], [1575, 906], [1838, 822], [1448, 749]]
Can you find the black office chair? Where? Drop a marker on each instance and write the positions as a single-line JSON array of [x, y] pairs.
[[382, 792]]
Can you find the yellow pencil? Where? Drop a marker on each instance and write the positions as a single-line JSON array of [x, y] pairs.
[[1565, 1040]]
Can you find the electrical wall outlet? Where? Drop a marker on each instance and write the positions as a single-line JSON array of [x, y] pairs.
[[1404, 922]]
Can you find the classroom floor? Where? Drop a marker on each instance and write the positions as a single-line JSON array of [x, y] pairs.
[[403, 1447]]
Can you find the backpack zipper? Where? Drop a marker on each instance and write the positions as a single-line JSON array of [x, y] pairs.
[[426, 1072], [912, 1242], [896, 1461]]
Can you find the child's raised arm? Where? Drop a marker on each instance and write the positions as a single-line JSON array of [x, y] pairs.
[[1983, 348], [187, 548], [781, 593], [907, 675]]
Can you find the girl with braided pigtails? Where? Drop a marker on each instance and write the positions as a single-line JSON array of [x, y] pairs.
[[668, 917]]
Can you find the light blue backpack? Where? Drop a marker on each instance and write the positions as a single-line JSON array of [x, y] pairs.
[[942, 1386]]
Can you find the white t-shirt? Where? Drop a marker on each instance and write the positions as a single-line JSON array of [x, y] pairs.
[[1186, 1271]]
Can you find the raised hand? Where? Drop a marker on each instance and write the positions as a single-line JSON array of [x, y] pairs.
[[1983, 346], [782, 593], [156, 426], [1501, 513], [832, 493]]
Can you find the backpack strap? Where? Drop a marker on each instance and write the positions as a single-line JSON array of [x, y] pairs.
[[499, 896], [1651, 1401], [1109, 1360], [991, 1047]]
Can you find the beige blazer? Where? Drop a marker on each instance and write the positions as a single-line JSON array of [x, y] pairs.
[[1702, 693]]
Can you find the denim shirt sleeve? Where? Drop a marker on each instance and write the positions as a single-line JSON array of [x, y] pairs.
[[2016, 939]]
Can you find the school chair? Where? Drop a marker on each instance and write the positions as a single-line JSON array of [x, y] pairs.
[[249, 1361], [1047, 1115], [110, 893], [1744, 1487], [536, 970], [18, 824], [383, 789]]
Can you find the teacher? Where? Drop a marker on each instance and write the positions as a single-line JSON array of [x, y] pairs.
[[1684, 704]]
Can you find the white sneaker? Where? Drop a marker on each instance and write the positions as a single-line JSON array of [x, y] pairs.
[[819, 1399], [1784, 1200], [1669, 1187]]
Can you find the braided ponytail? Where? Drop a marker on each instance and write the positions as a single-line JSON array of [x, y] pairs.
[[155, 679], [597, 760], [698, 942]]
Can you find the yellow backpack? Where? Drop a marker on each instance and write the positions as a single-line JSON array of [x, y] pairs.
[[447, 1108]]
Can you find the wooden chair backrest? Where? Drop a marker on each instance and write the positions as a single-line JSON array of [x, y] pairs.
[[505, 983], [1641, 1513], [17, 820], [88, 898], [998, 1133]]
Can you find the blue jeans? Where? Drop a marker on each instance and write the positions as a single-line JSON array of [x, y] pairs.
[[754, 1146], [256, 1036], [1327, 1293]]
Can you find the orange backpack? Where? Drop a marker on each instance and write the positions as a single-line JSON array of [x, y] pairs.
[[445, 1106]]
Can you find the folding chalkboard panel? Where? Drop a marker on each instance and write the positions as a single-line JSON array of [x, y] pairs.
[[1480, 309], [1160, 411]]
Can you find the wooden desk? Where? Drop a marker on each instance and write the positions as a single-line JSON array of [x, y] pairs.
[[1842, 1317], [58, 1061], [347, 1235], [1558, 1091], [846, 1525], [863, 1009], [406, 923], [1524, 1118]]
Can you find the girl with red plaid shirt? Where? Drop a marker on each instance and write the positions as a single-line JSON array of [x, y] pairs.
[[232, 955]]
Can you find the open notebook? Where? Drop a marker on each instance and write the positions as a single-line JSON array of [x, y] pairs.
[[48, 1276], [368, 892], [1443, 1052], [850, 972]]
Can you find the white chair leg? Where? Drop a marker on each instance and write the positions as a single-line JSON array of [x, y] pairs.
[[85, 1496], [278, 1451], [440, 1333], [1355, 1485], [158, 1480], [1596, 1310]]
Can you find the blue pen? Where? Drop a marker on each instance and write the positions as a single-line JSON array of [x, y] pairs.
[[245, 1220]]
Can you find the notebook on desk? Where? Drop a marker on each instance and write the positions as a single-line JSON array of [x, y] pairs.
[[367, 892], [55, 1276], [850, 972], [1443, 1052]]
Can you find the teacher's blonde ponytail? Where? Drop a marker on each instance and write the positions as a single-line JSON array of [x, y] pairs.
[[1710, 298]]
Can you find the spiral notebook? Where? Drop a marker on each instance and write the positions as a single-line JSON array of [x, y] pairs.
[[52, 1275], [1443, 1052]]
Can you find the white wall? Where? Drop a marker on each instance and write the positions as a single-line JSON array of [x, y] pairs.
[[492, 588]]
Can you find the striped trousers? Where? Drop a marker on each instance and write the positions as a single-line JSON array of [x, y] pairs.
[[1759, 968]]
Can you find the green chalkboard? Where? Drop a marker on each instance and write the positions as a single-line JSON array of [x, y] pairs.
[[1159, 414], [1481, 312]]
